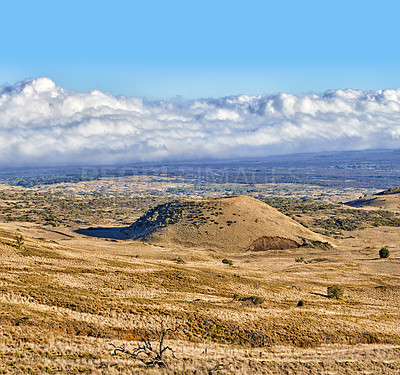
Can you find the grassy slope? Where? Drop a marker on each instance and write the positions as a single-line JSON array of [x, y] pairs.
[[64, 297], [227, 224]]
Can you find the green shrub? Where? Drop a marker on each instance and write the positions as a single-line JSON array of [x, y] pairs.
[[178, 260], [300, 303], [384, 252], [229, 262], [335, 291]]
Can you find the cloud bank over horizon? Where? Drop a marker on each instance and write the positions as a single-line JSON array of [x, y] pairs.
[[43, 124]]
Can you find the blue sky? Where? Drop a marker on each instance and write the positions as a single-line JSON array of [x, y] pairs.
[[159, 49]]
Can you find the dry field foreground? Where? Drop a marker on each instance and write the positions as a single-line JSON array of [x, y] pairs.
[[65, 297]]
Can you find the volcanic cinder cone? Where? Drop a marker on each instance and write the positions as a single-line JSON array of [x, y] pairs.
[[229, 224]]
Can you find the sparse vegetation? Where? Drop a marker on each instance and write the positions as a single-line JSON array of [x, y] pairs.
[[64, 297], [335, 291], [229, 262], [192, 213], [255, 300], [332, 219], [178, 260], [384, 252], [19, 238], [56, 209]]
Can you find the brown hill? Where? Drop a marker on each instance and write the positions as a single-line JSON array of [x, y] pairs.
[[385, 200], [230, 224], [390, 191]]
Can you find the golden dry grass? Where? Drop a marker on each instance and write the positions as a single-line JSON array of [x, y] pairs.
[[64, 296]]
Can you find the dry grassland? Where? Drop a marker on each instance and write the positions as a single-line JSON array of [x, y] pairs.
[[64, 297]]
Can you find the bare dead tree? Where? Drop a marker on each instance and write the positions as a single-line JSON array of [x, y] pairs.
[[150, 351]]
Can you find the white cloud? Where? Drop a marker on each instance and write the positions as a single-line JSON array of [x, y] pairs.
[[42, 124]]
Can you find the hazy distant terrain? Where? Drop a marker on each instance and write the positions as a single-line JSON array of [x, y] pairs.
[[374, 169]]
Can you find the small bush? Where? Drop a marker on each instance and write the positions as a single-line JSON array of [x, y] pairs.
[[255, 300], [335, 291], [178, 260], [229, 262], [299, 260], [20, 241], [300, 303], [384, 252]]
